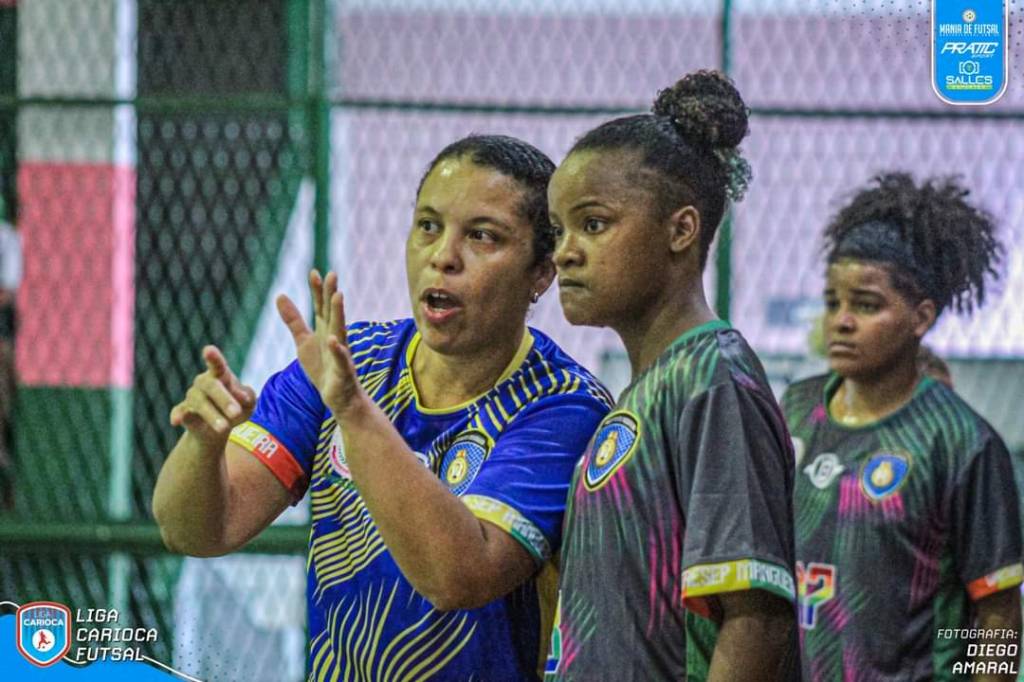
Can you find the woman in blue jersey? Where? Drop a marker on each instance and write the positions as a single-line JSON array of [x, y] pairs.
[[907, 525], [677, 561], [437, 450]]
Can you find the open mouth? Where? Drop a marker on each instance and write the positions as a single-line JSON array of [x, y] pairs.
[[440, 305], [440, 300]]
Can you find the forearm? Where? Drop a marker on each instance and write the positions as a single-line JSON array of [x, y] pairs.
[[191, 498], [434, 538], [756, 640]]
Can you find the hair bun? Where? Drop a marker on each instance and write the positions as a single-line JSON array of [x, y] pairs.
[[706, 109]]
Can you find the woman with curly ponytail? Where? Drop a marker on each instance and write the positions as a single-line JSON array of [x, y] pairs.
[[677, 558], [907, 524]]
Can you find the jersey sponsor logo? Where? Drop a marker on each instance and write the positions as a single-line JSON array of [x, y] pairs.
[[883, 474], [272, 452], [1003, 579], [257, 440], [824, 469], [733, 576], [612, 447], [463, 459], [816, 585], [555, 650], [43, 634], [337, 455], [512, 521]]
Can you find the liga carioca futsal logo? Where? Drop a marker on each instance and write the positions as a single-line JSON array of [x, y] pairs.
[[44, 632]]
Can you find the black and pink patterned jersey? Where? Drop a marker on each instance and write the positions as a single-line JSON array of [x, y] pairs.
[[683, 494], [899, 526]]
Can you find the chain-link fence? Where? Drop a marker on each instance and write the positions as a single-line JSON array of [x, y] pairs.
[[171, 166]]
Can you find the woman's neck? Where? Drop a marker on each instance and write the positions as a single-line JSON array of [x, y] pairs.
[[648, 334], [444, 381], [861, 401]]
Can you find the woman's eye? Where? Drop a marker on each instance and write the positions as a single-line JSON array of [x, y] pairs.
[[592, 225], [483, 236], [428, 226], [868, 307]]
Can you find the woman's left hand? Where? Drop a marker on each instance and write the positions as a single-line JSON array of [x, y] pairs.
[[323, 351]]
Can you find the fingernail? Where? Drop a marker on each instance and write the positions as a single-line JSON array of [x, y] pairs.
[[233, 411], [220, 424]]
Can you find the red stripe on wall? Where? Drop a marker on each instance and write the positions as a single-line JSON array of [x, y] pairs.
[[76, 302]]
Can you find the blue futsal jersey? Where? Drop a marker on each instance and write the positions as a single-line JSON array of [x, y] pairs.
[[508, 454]]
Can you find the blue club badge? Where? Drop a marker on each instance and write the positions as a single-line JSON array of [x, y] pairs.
[[883, 474], [612, 446], [463, 459]]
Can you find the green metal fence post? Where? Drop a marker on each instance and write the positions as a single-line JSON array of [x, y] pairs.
[[723, 255], [320, 131]]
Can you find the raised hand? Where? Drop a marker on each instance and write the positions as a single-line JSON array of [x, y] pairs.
[[215, 403], [323, 350]]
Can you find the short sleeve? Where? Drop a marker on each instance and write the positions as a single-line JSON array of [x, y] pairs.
[[986, 532], [283, 430], [735, 483], [523, 485]]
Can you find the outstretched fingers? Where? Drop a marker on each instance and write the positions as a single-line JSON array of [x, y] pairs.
[[316, 292], [337, 327], [293, 319], [216, 401]]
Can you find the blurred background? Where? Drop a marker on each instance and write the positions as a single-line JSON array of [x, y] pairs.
[[169, 167]]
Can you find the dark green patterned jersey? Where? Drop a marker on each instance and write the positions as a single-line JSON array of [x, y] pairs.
[[899, 525], [682, 495]]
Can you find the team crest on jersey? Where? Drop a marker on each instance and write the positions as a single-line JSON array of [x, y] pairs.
[[613, 445], [883, 474], [44, 632], [824, 469], [337, 455], [463, 459]]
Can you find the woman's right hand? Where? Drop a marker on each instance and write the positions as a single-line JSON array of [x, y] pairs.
[[215, 403]]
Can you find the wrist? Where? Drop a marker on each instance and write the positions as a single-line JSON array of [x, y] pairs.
[[355, 410], [206, 446]]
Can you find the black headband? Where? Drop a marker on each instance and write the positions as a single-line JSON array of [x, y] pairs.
[[884, 242]]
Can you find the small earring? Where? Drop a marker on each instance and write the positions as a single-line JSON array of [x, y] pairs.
[[534, 297]]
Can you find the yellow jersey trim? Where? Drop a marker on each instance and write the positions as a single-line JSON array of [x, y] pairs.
[[510, 520], [706, 580], [525, 346]]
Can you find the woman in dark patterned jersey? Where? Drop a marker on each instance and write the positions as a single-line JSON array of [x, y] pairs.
[[678, 548], [907, 524]]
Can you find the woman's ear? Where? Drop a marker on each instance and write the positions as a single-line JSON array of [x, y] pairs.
[[543, 276], [925, 314], [684, 229]]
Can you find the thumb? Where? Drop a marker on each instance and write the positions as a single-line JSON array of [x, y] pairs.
[[244, 395]]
